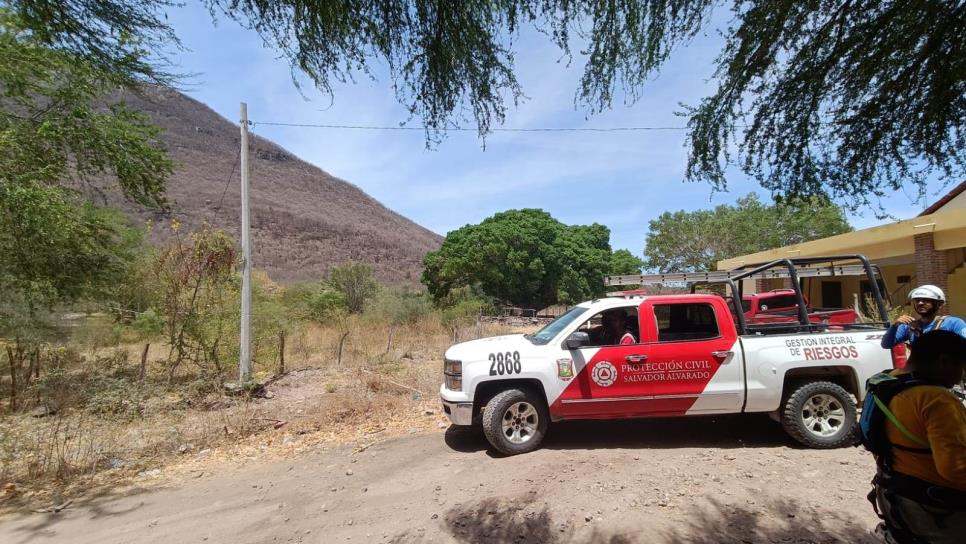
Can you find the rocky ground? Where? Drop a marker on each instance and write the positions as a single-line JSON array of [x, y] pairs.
[[722, 479]]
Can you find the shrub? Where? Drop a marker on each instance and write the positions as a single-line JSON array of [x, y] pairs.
[[324, 303], [400, 308], [356, 284], [198, 301], [148, 324]]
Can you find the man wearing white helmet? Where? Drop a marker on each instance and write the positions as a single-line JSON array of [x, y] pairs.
[[926, 301]]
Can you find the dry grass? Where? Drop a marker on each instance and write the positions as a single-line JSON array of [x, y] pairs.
[[372, 394]]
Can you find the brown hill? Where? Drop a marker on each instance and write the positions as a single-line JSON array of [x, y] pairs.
[[304, 220]]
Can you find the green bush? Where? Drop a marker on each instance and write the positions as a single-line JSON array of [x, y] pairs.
[[148, 324], [354, 281], [324, 303], [401, 307]]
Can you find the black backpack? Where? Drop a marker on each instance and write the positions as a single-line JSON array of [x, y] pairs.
[[880, 390]]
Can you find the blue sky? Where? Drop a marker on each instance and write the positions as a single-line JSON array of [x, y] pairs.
[[619, 179]]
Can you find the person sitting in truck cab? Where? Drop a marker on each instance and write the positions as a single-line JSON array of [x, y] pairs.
[[926, 301], [613, 329]]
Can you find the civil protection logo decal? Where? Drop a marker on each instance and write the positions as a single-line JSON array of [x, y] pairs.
[[604, 374]]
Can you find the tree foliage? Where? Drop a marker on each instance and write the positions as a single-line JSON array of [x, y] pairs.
[[127, 39], [623, 262], [55, 128], [836, 97], [56, 139], [687, 241], [850, 99], [322, 303], [196, 279], [401, 307], [523, 258], [53, 248], [356, 284]]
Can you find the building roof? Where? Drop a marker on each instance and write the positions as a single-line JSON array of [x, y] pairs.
[[945, 199], [884, 241]]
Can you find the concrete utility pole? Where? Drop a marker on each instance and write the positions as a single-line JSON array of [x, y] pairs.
[[245, 361]]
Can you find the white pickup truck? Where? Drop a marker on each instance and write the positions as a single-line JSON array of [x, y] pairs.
[[687, 358]]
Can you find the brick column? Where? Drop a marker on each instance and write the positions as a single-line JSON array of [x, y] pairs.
[[932, 266]]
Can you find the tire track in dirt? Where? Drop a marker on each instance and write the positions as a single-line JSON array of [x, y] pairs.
[[722, 479]]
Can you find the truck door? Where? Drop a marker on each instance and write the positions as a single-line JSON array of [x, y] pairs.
[[599, 389], [693, 362], [683, 362]]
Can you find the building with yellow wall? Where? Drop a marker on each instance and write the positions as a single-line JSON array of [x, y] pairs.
[[929, 248]]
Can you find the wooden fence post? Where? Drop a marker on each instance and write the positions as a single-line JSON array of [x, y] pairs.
[[389, 342], [37, 373], [13, 381], [281, 352], [341, 345], [142, 371]]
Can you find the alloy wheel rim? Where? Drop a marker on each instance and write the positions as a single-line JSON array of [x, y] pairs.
[[520, 422], [823, 415]]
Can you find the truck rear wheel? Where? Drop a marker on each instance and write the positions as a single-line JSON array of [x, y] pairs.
[[820, 415], [515, 421]]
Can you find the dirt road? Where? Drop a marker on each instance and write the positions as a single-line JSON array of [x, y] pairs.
[[723, 479]]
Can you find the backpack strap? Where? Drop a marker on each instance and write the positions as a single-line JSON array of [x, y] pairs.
[[938, 323], [902, 428]]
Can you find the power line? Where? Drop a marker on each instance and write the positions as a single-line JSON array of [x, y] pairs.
[[464, 129], [227, 183]]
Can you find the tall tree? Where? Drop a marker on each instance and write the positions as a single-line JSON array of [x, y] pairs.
[[687, 241], [623, 262], [58, 137], [524, 258], [838, 97]]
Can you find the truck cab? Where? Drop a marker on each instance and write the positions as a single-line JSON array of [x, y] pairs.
[[781, 306]]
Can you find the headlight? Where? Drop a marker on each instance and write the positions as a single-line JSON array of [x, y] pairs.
[[454, 383], [453, 374], [452, 367]]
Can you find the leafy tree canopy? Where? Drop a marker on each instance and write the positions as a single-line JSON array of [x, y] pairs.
[[623, 262], [56, 139], [125, 40], [524, 258], [837, 97], [687, 241]]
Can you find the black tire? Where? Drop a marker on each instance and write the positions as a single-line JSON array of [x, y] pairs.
[[515, 421], [820, 415]]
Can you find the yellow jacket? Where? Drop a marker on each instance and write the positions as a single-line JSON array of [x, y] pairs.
[[935, 414]]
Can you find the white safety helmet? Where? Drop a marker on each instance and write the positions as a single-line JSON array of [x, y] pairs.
[[929, 292]]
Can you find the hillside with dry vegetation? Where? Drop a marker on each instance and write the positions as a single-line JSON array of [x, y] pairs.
[[303, 220]]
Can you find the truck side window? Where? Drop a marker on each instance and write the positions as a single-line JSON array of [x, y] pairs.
[[600, 336], [780, 303], [681, 322]]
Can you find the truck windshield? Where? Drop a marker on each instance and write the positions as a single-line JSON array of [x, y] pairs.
[[553, 328]]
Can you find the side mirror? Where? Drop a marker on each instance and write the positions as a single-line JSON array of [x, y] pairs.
[[577, 340]]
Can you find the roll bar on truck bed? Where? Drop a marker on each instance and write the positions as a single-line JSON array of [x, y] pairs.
[[795, 269]]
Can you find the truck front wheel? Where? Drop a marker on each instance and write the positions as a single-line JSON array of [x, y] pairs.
[[515, 421], [820, 415]]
